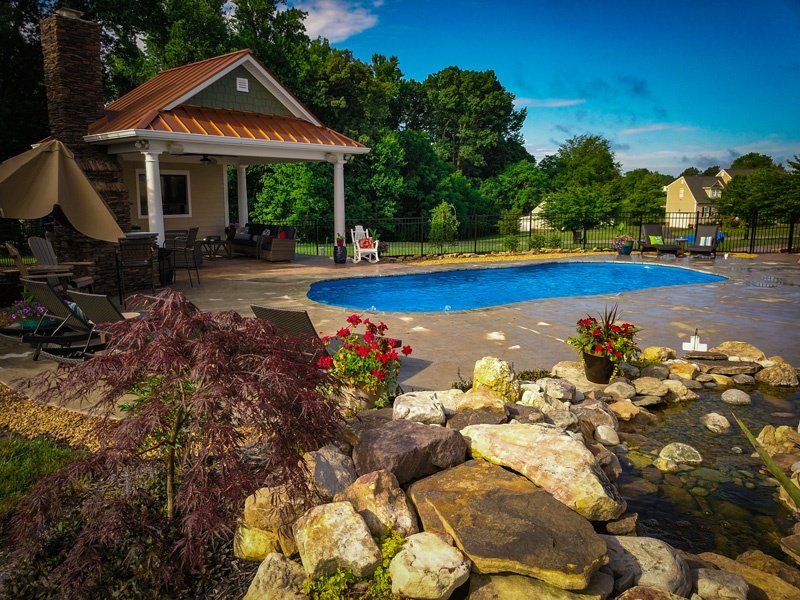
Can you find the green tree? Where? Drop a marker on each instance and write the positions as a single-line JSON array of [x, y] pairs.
[[642, 192], [579, 207], [295, 192], [752, 160], [443, 226], [690, 172], [711, 171], [763, 194], [459, 191], [508, 226], [520, 185], [584, 160], [472, 120]]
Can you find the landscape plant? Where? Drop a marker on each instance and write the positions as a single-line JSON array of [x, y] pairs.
[[213, 406], [443, 226], [369, 362], [604, 337], [508, 226], [25, 310]]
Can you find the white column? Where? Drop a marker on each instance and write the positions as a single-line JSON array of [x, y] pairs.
[[155, 210], [241, 190], [338, 197], [225, 201]]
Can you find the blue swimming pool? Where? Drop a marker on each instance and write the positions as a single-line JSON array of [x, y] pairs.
[[464, 289]]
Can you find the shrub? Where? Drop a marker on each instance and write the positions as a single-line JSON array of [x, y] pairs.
[[330, 587], [216, 405], [537, 241], [511, 243], [443, 226], [533, 374], [553, 240], [508, 226]]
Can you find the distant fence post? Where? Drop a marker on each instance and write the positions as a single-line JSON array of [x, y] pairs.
[[421, 238], [475, 234], [753, 228], [583, 237], [791, 238]]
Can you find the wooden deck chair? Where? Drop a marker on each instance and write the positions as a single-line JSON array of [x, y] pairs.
[[73, 337], [705, 241], [363, 245], [45, 254], [649, 242], [55, 275]]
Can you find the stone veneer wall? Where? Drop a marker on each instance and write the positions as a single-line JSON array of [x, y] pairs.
[[73, 77]]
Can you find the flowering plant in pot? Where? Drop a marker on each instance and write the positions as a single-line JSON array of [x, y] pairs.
[[603, 344], [367, 364], [623, 244], [339, 239], [25, 312]]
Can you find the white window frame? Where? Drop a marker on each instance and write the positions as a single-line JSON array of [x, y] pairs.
[[680, 193], [140, 172]]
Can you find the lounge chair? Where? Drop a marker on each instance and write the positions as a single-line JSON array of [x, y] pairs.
[[45, 254], [363, 245], [98, 308], [705, 241], [55, 275], [648, 242], [72, 339], [297, 323]]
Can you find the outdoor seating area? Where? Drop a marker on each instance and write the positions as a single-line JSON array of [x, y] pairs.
[[273, 243]]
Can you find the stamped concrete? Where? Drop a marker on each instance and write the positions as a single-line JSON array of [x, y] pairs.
[[759, 303]]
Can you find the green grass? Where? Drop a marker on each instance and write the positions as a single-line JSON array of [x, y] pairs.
[[23, 461]]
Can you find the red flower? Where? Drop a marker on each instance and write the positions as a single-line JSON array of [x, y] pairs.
[[598, 349], [343, 333], [325, 339], [369, 337], [383, 358], [325, 362], [392, 355], [379, 374], [382, 326], [354, 320], [618, 354], [363, 351], [393, 343], [406, 350], [596, 332]]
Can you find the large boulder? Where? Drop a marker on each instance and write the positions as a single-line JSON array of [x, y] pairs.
[[480, 400], [497, 377], [558, 389], [649, 562], [779, 375], [728, 367], [422, 407], [678, 392], [641, 592], [769, 564], [658, 354], [714, 584], [250, 543], [334, 536], [740, 350], [505, 586], [504, 523], [551, 459], [595, 412], [409, 450], [778, 440], [736, 397], [764, 586], [684, 370], [377, 497], [554, 410], [331, 470], [273, 510], [650, 386], [468, 417], [427, 568], [573, 372], [619, 390], [277, 578]]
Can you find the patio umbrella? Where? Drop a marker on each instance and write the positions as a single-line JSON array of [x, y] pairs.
[[47, 178]]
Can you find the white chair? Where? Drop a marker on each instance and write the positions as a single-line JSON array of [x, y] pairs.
[[370, 252]]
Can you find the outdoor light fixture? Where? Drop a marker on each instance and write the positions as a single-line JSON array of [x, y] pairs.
[[205, 160], [694, 345]]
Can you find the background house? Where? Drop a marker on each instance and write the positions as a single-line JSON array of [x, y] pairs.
[[689, 195]]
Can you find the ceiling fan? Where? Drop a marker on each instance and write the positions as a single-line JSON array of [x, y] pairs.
[[206, 160]]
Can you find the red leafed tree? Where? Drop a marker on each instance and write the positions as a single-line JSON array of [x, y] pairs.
[[213, 406]]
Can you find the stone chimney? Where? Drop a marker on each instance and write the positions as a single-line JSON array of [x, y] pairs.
[[73, 76]]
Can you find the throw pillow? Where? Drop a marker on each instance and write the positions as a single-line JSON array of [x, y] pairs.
[[705, 240], [656, 240], [282, 235], [241, 234], [365, 242]]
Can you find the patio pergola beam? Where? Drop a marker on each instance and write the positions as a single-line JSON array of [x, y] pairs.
[[155, 209]]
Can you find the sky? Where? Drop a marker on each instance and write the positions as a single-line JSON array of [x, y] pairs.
[[671, 84]]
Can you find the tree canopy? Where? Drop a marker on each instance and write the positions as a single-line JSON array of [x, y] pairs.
[[752, 160]]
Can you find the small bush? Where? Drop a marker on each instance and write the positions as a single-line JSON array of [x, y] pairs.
[[511, 243], [553, 240], [533, 374], [537, 241], [380, 588], [330, 587], [443, 226]]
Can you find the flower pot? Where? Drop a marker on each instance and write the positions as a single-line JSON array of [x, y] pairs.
[[598, 368], [625, 249], [339, 255]]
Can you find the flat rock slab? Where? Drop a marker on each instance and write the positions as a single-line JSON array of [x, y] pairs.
[[408, 449], [697, 355], [481, 416], [504, 523], [763, 586], [508, 587], [728, 367]]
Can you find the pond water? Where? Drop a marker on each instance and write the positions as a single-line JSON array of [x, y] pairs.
[[464, 289], [728, 505]]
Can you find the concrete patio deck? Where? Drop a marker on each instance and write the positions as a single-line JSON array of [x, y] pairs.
[[528, 334]]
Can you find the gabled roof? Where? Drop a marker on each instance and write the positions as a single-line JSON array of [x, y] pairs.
[[735, 172], [246, 125], [141, 106], [697, 184]]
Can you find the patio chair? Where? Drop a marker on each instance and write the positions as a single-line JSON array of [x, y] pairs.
[[706, 241], [363, 245], [55, 275], [72, 339], [649, 242], [45, 254], [183, 244], [135, 253], [98, 308]]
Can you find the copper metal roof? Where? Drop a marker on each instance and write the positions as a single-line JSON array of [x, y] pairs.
[[246, 125], [137, 108]]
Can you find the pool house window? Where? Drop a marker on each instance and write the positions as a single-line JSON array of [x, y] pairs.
[[175, 196]]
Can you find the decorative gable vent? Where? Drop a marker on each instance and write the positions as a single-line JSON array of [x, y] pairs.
[[242, 84]]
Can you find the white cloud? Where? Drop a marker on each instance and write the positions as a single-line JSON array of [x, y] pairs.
[[655, 127], [337, 20], [548, 102]]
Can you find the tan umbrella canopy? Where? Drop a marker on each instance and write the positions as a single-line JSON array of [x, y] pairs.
[[34, 183]]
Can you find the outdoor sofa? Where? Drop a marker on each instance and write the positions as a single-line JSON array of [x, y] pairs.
[[274, 243]]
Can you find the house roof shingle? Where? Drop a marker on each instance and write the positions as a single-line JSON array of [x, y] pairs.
[[697, 183]]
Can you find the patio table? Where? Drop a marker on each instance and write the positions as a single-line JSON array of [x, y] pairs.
[[215, 246]]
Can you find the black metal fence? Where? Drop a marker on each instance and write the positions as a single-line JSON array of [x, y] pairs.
[[410, 236]]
